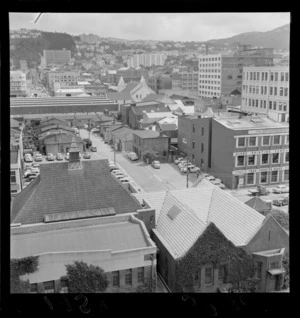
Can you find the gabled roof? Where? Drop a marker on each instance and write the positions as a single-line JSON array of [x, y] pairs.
[[123, 132], [58, 190], [146, 133], [151, 97], [63, 138], [199, 206], [258, 204], [123, 95], [140, 110], [129, 87]]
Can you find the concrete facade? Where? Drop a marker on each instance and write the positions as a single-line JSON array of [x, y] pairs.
[[266, 89], [237, 167]]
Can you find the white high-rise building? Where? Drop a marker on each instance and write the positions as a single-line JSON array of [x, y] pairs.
[[146, 60], [18, 84], [266, 91]]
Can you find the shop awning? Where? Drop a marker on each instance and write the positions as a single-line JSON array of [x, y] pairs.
[[276, 271]]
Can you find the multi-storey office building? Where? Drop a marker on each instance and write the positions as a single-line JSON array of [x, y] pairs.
[[220, 74], [266, 89], [146, 60], [185, 81], [248, 152], [56, 57], [66, 77], [18, 84]]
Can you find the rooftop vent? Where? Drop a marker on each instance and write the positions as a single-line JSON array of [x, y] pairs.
[[173, 212]]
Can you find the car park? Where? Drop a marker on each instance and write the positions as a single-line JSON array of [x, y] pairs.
[[50, 157], [59, 156], [155, 164], [93, 149], [281, 188], [86, 155]]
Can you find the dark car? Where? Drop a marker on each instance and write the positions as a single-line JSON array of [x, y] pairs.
[[94, 149]]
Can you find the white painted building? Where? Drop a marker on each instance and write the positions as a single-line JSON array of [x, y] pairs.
[[266, 91], [146, 60], [18, 84]]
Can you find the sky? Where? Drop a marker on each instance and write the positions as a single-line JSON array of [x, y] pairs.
[[152, 26]]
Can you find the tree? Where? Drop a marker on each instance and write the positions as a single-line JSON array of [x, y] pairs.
[[19, 267], [282, 218], [84, 278]]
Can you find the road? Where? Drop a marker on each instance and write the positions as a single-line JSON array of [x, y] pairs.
[[148, 179]]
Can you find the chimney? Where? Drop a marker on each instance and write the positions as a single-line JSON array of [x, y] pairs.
[[74, 160]]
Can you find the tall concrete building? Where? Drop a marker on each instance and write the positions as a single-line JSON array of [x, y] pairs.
[[56, 57], [266, 90], [146, 60], [185, 81], [220, 74], [63, 77], [18, 84]]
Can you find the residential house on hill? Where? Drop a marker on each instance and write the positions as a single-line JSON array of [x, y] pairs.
[[77, 211], [207, 238]]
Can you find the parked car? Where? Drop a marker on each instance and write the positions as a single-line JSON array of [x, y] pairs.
[[120, 176], [210, 178], [116, 171], [35, 165], [194, 169], [27, 172], [38, 157], [219, 184], [180, 159], [28, 158], [86, 155], [30, 177], [50, 157], [125, 180], [281, 202], [67, 156], [59, 156], [155, 164], [281, 188], [93, 149], [35, 170], [133, 156]]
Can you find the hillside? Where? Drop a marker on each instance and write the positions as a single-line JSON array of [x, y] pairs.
[[277, 38], [30, 49]]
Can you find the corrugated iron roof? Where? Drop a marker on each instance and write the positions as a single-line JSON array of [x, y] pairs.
[[118, 236], [258, 204]]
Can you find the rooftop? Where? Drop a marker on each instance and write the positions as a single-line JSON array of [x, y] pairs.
[[118, 95], [146, 133], [115, 236], [251, 122], [140, 110], [58, 190], [195, 209], [14, 156], [258, 204]]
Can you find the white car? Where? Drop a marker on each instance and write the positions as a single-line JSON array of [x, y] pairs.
[[177, 161], [281, 188], [133, 156], [28, 158], [35, 170], [194, 169], [210, 178], [35, 165], [125, 180], [120, 176], [117, 171], [216, 181]]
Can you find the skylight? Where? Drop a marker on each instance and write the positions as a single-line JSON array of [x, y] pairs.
[[173, 212]]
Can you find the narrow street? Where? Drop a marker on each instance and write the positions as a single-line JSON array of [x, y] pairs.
[[148, 179]]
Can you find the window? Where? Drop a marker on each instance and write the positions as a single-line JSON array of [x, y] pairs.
[[202, 147], [264, 177], [241, 142], [287, 137], [276, 140], [274, 176], [116, 279], [275, 158], [286, 91], [271, 76], [222, 273], [276, 76], [266, 75], [274, 105], [254, 76], [263, 76], [258, 269], [265, 90], [264, 158], [281, 91], [280, 106], [275, 91], [252, 141], [202, 131], [287, 157], [193, 144], [64, 286], [209, 275], [266, 141], [128, 277], [33, 288], [141, 274], [49, 287], [286, 175], [265, 104], [193, 128], [13, 178], [240, 161], [250, 76], [257, 76], [282, 77], [250, 178], [271, 90], [270, 104], [286, 77], [251, 160], [261, 89]]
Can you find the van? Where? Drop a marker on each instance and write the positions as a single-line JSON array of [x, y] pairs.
[[133, 156]]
